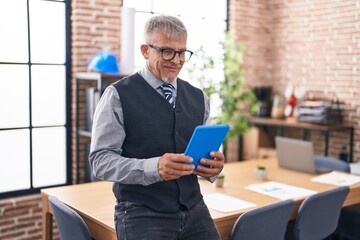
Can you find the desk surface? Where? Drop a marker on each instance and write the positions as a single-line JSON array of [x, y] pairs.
[[95, 201]]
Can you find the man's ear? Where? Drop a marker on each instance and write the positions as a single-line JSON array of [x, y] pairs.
[[144, 50]]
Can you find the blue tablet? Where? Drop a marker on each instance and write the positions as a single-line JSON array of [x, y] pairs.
[[205, 139]]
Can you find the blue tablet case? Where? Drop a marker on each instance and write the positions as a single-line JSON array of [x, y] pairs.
[[205, 139]]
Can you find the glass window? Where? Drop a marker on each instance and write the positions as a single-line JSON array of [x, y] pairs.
[[15, 160], [47, 31], [48, 104], [49, 156], [33, 95], [14, 31], [206, 9], [206, 29], [14, 96], [139, 5]]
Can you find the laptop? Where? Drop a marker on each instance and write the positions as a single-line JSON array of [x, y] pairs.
[[295, 154]]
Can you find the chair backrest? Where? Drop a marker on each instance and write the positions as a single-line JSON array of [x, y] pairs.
[[319, 214], [268, 222], [70, 224], [324, 163]]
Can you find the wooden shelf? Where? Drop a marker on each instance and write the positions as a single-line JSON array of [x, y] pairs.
[[280, 124], [102, 81]]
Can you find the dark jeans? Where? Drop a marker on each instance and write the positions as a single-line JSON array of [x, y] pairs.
[[138, 222]]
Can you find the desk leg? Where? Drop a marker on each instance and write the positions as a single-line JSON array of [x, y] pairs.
[[351, 144], [47, 227], [326, 151], [46, 220], [305, 134]]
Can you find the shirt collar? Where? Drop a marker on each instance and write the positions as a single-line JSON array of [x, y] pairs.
[[151, 79]]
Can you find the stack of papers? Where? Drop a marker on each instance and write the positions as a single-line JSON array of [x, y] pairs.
[[280, 190], [337, 178], [224, 203]]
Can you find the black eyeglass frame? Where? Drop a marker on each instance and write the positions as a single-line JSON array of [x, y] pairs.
[[170, 49]]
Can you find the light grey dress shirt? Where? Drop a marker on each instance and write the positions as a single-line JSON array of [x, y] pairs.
[[108, 134]]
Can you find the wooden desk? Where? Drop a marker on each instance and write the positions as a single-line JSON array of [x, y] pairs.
[[280, 124], [95, 201]]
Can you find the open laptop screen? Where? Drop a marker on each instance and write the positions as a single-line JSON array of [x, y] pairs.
[[295, 154]]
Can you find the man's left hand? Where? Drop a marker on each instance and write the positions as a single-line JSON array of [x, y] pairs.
[[215, 165]]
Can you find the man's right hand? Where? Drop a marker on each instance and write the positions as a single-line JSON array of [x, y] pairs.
[[171, 166]]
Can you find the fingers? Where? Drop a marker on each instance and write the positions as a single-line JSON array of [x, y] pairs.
[[217, 162], [206, 172], [212, 167], [173, 166]]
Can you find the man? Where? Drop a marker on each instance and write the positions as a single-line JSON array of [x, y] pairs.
[[141, 128]]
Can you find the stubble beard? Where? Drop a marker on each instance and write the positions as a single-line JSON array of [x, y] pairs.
[[167, 80]]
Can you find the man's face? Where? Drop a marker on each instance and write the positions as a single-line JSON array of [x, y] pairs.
[[164, 70]]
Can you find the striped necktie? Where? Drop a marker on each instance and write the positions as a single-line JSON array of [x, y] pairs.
[[168, 90]]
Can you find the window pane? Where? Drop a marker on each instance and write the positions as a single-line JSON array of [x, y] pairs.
[[211, 35], [166, 7], [15, 162], [13, 29], [214, 9], [14, 96], [47, 28], [139, 5], [49, 156], [140, 19], [48, 95]]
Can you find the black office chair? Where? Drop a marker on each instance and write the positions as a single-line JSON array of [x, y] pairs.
[[70, 224], [268, 222], [318, 215]]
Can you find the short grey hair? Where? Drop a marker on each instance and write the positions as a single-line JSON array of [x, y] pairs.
[[170, 25]]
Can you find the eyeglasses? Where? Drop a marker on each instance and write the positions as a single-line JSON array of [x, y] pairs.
[[169, 54]]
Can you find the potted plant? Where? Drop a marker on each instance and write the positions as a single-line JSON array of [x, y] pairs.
[[261, 173], [235, 97], [220, 180], [202, 69]]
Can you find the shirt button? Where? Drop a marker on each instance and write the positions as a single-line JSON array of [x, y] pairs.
[[172, 111]]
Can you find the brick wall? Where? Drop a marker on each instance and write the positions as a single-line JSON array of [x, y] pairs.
[[20, 218], [315, 44], [251, 21]]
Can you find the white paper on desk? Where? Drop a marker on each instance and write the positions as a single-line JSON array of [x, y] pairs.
[[280, 190], [337, 178], [224, 203]]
